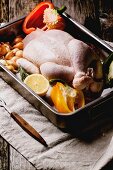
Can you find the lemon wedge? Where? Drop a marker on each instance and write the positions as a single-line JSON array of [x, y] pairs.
[[38, 83], [75, 98]]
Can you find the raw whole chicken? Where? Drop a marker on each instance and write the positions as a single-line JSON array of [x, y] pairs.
[[58, 55]]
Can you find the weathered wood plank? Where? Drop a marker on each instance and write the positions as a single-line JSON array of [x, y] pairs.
[[106, 19], [106, 6], [18, 8], [18, 162], [78, 9], [4, 10], [4, 151], [14, 161]]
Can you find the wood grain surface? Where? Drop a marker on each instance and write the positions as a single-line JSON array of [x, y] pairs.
[[99, 13], [18, 8], [106, 19], [4, 11], [4, 152], [18, 162]]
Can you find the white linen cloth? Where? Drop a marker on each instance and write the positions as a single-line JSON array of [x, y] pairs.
[[63, 152]]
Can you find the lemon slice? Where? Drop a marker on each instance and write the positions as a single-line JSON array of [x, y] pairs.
[[38, 83]]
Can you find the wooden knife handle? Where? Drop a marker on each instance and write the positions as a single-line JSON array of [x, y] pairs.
[[28, 128]]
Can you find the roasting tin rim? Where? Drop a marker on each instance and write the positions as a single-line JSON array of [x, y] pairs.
[[12, 22]]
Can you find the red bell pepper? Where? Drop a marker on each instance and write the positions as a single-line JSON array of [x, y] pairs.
[[53, 20], [35, 18]]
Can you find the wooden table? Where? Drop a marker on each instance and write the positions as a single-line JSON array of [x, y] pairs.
[[95, 12]]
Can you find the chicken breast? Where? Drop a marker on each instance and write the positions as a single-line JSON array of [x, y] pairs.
[[32, 35], [50, 33], [48, 48]]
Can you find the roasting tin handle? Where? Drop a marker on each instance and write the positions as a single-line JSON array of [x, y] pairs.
[[105, 46], [102, 108]]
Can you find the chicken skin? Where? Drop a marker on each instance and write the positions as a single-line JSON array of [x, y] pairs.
[[58, 55]]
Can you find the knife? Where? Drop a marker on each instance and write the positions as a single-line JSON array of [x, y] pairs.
[[24, 124]]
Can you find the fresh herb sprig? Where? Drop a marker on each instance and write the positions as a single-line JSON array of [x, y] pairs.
[[23, 73]]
